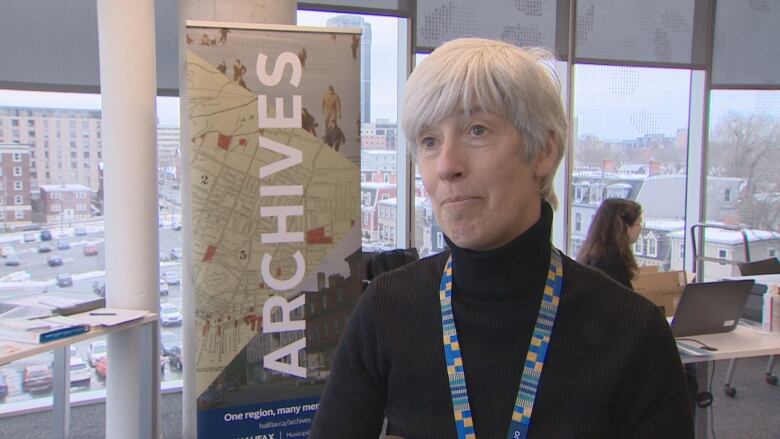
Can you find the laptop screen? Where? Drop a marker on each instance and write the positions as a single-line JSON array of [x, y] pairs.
[[710, 307]]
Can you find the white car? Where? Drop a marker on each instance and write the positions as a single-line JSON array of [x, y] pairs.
[[164, 290], [80, 372], [169, 314], [96, 351], [171, 278]]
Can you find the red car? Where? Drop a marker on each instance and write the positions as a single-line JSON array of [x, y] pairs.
[[101, 367], [90, 250], [37, 378]]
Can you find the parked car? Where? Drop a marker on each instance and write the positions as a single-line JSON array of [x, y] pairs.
[[169, 314], [101, 367], [63, 245], [12, 260], [79, 372], [64, 280], [54, 261], [175, 358], [45, 235], [90, 250], [165, 257], [37, 378], [96, 351], [80, 231], [176, 253], [176, 226], [28, 237], [171, 278], [44, 248], [164, 290], [3, 387], [7, 250]]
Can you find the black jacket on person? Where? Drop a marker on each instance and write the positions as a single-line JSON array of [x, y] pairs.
[[612, 368], [615, 268]]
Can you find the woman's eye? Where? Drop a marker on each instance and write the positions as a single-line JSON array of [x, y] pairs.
[[478, 130], [427, 142]]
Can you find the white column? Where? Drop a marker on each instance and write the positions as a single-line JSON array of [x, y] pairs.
[[237, 11], [128, 88], [405, 221]]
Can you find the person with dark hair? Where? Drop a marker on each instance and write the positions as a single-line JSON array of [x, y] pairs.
[[615, 228], [501, 335]]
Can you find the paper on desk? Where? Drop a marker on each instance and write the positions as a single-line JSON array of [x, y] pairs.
[[109, 316]]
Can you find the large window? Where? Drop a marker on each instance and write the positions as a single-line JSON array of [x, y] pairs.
[[743, 185], [630, 141], [51, 212]]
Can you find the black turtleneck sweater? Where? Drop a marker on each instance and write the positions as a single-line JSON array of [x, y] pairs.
[[612, 368]]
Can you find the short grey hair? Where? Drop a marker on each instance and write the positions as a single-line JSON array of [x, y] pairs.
[[519, 83]]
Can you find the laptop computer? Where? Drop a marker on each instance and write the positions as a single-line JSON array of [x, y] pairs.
[[710, 307]]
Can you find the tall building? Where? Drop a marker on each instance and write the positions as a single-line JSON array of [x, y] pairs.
[[168, 143], [15, 204], [64, 143], [357, 21]]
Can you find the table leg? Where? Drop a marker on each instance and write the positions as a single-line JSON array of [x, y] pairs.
[[703, 414], [150, 379], [61, 393]]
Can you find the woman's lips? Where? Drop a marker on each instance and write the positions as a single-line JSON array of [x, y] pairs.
[[459, 199]]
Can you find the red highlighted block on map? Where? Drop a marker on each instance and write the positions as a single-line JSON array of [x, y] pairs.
[[317, 236], [209, 255], [224, 141]]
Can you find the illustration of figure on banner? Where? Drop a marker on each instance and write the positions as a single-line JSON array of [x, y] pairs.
[[238, 73], [223, 33], [308, 123], [222, 67], [355, 45], [205, 40], [189, 38], [334, 137], [302, 56], [331, 106]]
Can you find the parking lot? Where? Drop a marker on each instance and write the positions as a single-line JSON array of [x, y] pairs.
[[82, 270]]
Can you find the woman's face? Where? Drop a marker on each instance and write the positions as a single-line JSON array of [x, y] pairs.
[[634, 230]]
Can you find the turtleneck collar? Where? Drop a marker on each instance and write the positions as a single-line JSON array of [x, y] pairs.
[[514, 271]]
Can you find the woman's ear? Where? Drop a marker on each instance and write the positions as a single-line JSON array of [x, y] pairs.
[[547, 158]]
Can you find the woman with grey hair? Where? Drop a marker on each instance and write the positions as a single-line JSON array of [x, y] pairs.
[[520, 341]]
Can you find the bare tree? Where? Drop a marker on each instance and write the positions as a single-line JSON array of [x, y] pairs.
[[748, 146]]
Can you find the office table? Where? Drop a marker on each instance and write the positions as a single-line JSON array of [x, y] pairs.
[[61, 371], [745, 341]]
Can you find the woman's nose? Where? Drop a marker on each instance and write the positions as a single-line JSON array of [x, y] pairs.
[[451, 162]]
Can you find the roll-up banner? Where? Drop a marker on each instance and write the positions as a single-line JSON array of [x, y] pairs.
[[274, 157]]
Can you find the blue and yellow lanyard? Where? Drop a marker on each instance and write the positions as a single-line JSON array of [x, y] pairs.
[[534, 359]]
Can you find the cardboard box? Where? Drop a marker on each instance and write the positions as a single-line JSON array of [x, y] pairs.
[[648, 269], [662, 288]]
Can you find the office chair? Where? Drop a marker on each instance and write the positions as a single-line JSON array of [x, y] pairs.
[[764, 266]]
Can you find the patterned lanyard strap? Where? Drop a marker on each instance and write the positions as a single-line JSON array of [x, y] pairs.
[[534, 359]]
